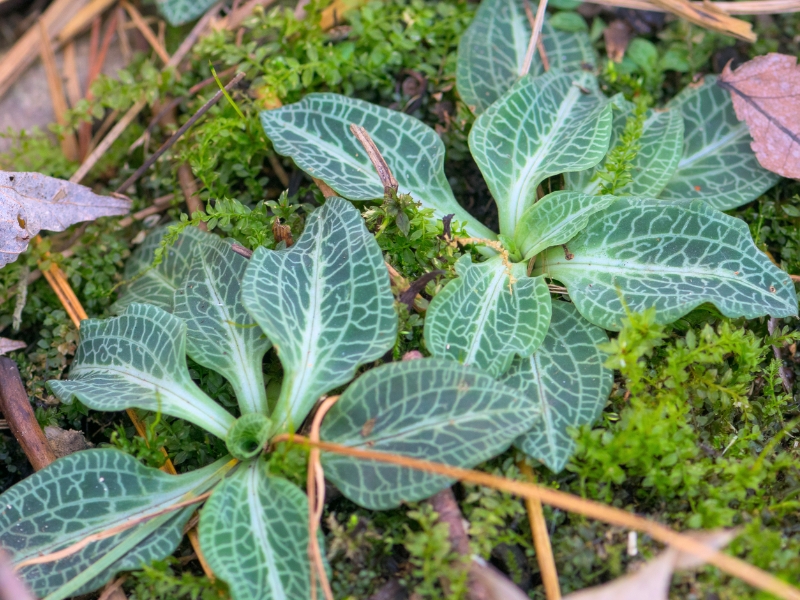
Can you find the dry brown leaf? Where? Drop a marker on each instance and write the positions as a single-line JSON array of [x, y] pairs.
[[66, 441], [7, 345], [30, 202], [617, 37], [652, 581], [766, 95]]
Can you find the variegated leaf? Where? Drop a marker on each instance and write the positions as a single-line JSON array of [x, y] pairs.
[[139, 360], [491, 52], [641, 253], [568, 381], [315, 132], [254, 535], [430, 408], [325, 303], [86, 493], [483, 320], [541, 127]]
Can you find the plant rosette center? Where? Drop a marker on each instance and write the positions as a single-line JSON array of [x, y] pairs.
[[248, 435]]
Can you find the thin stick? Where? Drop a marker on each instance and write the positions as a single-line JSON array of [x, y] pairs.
[[158, 205], [107, 533], [168, 144], [541, 540], [145, 30], [390, 184], [532, 43], [539, 43], [315, 487], [755, 7], [589, 508], [58, 281], [189, 189], [20, 418]]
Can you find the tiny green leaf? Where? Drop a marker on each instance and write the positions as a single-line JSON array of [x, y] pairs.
[[326, 304], [541, 127], [556, 219], [221, 334], [429, 408], [491, 52], [83, 494], [659, 153], [568, 381], [717, 164], [254, 535], [315, 133], [479, 319], [139, 360], [157, 285], [641, 253]]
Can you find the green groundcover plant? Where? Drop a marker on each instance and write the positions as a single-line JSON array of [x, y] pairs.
[[634, 225]]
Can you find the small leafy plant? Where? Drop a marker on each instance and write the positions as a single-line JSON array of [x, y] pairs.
[[660, 241], [326, 306]]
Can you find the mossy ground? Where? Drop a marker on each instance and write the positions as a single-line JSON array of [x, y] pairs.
[[698, 432]]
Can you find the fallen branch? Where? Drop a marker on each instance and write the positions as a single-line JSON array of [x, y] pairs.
[[19, 415]]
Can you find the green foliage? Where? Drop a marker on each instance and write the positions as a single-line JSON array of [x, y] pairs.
[[167, 579], [433, 559]]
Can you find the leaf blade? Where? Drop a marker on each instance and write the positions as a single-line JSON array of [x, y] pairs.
[[254, 534], [671, 256], [315, 133], [326, 304], [428, 408], [138, 360], [539, 128], [480, 319], [567, 379]]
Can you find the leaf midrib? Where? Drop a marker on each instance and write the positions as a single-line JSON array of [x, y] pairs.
[[259, 531], [486, 308]]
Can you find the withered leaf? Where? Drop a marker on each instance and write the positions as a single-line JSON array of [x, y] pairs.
[[7, 345], [617, 37], [652, 581], [766, 95], [30, 202]]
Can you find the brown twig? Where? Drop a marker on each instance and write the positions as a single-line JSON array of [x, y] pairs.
[[176, 136], [158, 205], [69, 145], [541, 540], [19, 415], [756, 7], [539, 42], [145, 30], [390, 184], [111, 590], [595, 510]]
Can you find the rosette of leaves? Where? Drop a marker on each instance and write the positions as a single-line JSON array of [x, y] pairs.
[[326, 305], [660, 241]]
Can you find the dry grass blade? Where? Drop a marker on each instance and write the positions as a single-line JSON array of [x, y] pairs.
[[534, 41], [541, 540], [766, 95], [754, 7], [390, 184], [145, 30], [595, 510], [69, 145], [83, 19], [710, 17]]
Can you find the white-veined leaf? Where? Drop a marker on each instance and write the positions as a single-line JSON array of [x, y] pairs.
[[430, 408], [86, 493], [315, 132], [541, 127], [644, 253], [139, 360], [568, 382], [491, 52], [254, 535], [325, 303], [178, 12], [717, 164], [157, 286], [555, 220], [479, 319], [221, 334], [660, 148]]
